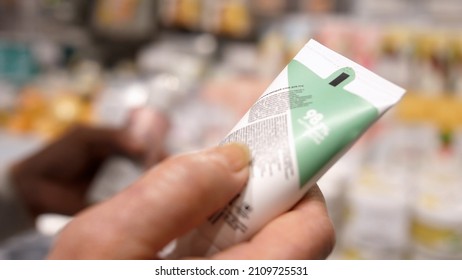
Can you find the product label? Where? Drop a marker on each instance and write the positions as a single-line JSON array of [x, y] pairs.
[[270, 134], [295, 130], [331, 118], [323, 119]]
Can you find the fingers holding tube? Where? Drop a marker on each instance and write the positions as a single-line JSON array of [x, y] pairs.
[[306, 232], [169, 200], [179, 195]]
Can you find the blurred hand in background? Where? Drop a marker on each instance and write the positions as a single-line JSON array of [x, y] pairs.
[[57, 178]]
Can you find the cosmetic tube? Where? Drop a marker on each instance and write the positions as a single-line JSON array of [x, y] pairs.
[[302, 124]]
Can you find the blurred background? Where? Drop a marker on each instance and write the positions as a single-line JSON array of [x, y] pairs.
[[200, 64]]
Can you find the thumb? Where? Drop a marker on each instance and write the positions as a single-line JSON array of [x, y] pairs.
[[172, 198]]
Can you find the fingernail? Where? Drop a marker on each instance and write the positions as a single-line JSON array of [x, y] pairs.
[[236, 154]]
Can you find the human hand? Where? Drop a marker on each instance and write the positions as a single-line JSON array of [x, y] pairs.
[[179, 195], [147, 126], [56, 179]]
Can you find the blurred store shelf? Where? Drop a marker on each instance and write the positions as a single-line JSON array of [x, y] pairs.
[[200, 64]]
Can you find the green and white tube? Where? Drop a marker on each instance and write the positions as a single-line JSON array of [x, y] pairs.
[[305, 121]]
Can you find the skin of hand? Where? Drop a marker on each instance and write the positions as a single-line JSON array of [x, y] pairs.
[[56, 179], [180, 194]]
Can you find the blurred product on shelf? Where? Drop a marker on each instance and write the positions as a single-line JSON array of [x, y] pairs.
[[377, 217], [125, 20], [229, 18], [55, 101], [436, 232], [394, 51], [180, 73], [269, 9], [457, 146], [281, 41], [7, 101], [181, 13], [404, 202], [17, 62], [120, 28], [385, 9], [334, 183], [455, 64], [430, 63], [237, 19]]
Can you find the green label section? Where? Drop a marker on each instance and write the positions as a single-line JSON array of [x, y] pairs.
[[332, 119]]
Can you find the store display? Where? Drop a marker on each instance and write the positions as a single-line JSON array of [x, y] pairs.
[[17, 62], [436, 232], [181, 13], [334, 184], [125, 20], [7, 101], [395, 56], [233, 19], [377, 217], [225, 18], [180, 73], [317, 6], [384, 9], [48, 108], [269, 9]]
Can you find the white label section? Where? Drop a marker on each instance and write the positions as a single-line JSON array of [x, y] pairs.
[[273, 186], [268, 139], [281, 81], [379, 92]]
